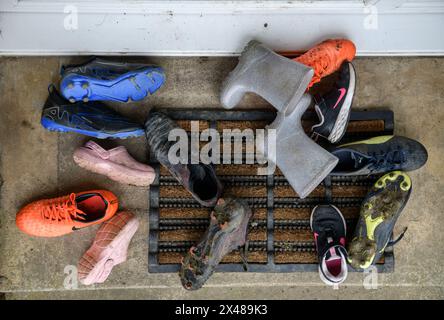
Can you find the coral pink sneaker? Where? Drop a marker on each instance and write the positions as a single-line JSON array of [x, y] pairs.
[[115, 163], [109, 248]]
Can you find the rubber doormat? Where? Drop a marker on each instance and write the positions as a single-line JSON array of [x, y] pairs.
[[279, 237]]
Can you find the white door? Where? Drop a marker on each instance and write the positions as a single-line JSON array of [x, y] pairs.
[[217, 27]]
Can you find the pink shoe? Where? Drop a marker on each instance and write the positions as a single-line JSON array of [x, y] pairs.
[[116, 164], [109, 248]]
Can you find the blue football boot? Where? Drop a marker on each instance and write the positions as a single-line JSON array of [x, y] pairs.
[[104, 80], [91, 119]]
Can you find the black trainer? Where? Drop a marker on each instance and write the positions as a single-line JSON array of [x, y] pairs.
[[199, 179], [329, 229], [333, 108], [379, 155], [91, 119]]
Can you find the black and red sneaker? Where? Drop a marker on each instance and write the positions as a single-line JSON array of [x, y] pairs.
[[329, 229], [333, 108]]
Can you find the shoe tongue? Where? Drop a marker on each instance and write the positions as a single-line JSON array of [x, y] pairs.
[[333, 254]]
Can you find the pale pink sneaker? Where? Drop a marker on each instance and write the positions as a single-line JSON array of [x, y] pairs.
[[109, 248], [115, 163]]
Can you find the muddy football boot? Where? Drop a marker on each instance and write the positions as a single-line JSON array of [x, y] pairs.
[[327, 57], [333, 108], [199, 179], [379, 212], [91, 119], [104, 80], [329, 229], [379, 155], [227, 231]]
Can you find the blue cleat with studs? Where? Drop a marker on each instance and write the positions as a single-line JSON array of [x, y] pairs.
[[104, 80]]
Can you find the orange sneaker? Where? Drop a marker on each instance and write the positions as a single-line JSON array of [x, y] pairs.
[[59, 216], [327, 57]]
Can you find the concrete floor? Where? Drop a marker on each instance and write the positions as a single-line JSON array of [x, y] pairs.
[[35, 163]]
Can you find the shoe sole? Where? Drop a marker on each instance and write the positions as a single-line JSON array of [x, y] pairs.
[[112, 170], [95, 275], [344, 115], [131, 86], [53, 126], [375, 214]]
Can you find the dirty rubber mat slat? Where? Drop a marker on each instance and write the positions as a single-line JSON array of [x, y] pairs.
[[279, 233]]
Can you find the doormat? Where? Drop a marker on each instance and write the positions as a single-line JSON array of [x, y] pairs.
[[279, 236]]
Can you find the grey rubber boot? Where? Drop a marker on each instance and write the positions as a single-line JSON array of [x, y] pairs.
[[303, 162], [277, 79]]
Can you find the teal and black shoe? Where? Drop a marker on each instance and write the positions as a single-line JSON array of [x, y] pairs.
[[379, 155], [379, 212]]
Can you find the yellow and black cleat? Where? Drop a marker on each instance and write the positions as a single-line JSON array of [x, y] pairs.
[[379, 212]]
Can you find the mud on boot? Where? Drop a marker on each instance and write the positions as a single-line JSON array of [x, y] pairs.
[[227, 231], [379, 213]]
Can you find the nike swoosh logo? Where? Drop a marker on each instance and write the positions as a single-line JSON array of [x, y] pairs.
[[342, 91]]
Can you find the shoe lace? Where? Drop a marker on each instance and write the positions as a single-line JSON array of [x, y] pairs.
[[329, 232], [62, 209], [386, 159]]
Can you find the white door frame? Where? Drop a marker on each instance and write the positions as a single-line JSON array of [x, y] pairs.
[[205, 27]]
